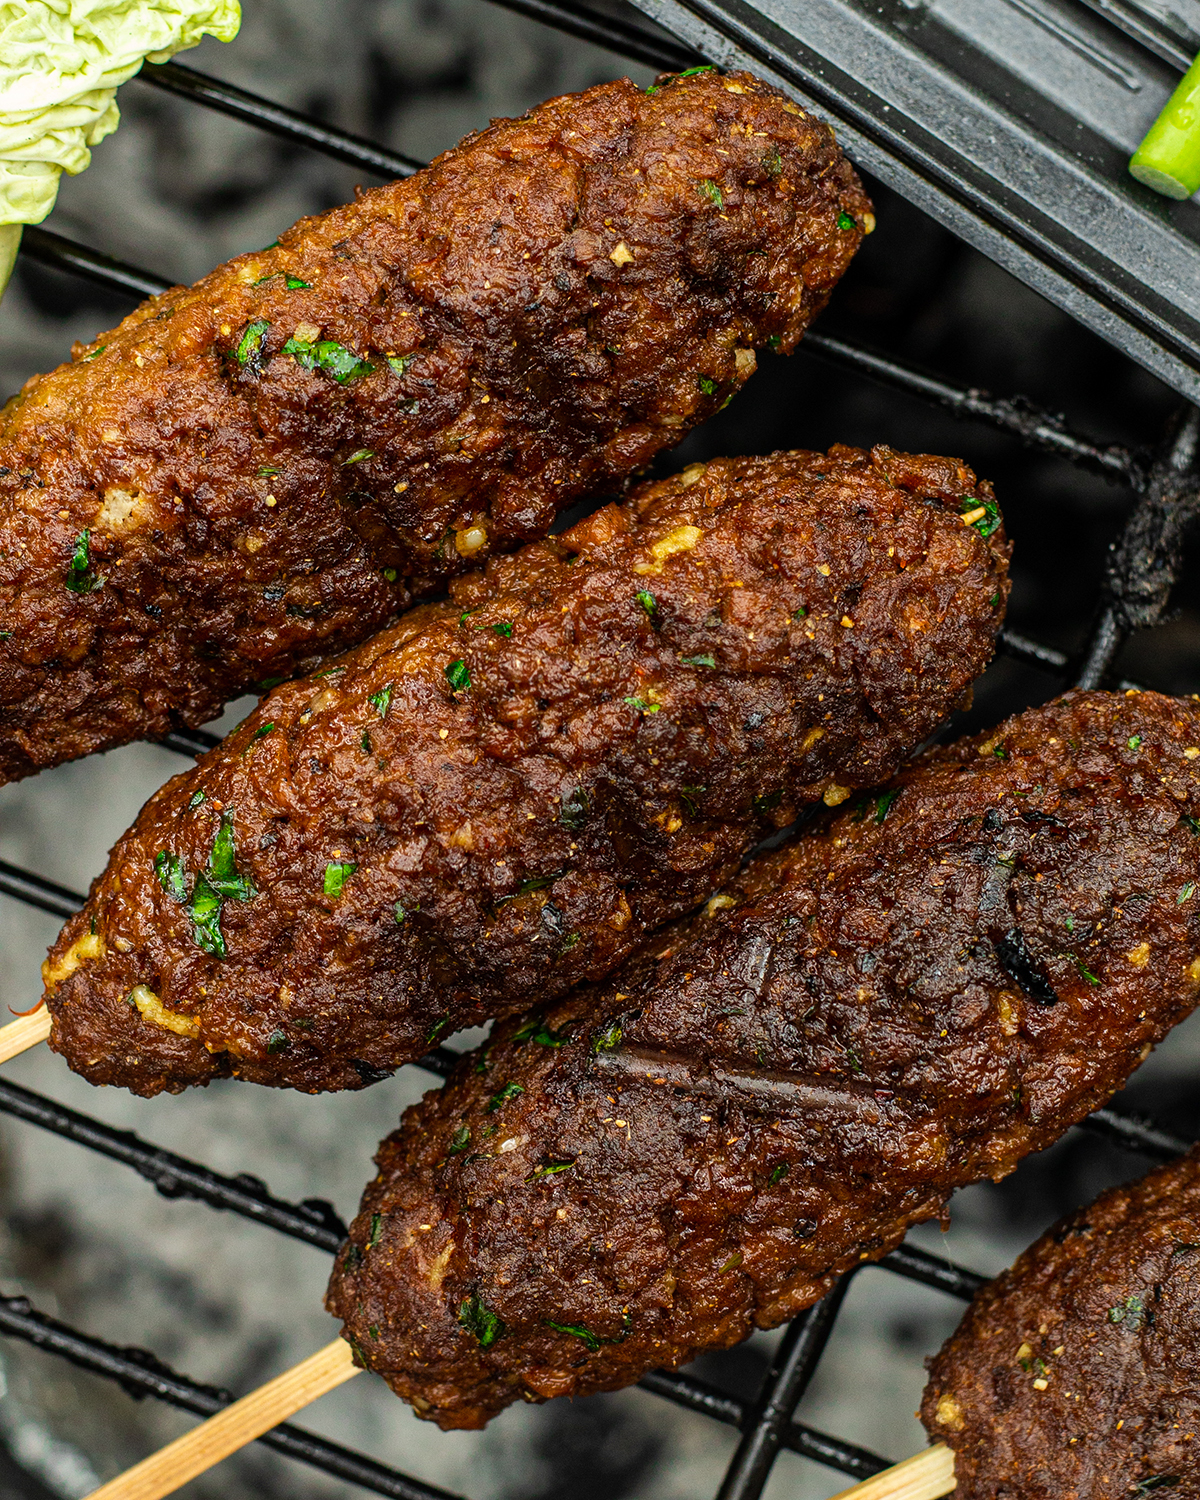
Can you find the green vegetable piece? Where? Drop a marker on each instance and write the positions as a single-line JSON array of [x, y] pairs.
[[1168, 159], [353, 1259], [263, 729], [365, 742], [358, 455], [222, 875], [774, 339], [698, 661], [458, 676], [196, 798], [689, 799], [986, 523], [503, 1095], [336, 875], [1192, 823], [503, 628], [389, 574], [328, 355], [576, 1331], [799, 612], [437, 1027], [460, 1140], [647, 600], [539, 1032], [883, 802], [399, 364], [699, 68], [779, 1173], [80, 577], [205, 910], [402, 912], [171, 876], [551, 1169], [846, 223], [1186, 893], [251, 340], [376, 1230], [381, 701], [1134, 741], [768, 801], [707, 386], [96, 353], [1086, 972], [266, 471], [642, 706], [575, 807], [278, 1042], [772, 165], [1155, 1482], [712, 192], [607, 1040], [294, 284], [478, 1319]]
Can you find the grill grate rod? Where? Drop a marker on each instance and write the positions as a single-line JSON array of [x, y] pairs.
[[627, 40]]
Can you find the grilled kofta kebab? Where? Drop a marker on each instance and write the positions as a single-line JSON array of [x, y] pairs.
[[503, 794], [265, 468], [945, 978], [1076, 1375]]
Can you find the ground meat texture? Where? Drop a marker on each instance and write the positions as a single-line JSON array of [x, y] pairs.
[[265, 468], [1076, 1375], [941, 981], [505, 793]]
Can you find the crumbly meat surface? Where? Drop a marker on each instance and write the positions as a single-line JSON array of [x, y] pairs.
[[265, 468], [941, 981], [502, 795], [1075, 1376]]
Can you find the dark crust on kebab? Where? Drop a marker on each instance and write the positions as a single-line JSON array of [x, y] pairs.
[[1076, 1374], [528, 779], [257, 471], [703, 1144]]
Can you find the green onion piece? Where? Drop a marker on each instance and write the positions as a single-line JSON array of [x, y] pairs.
[[699, 68], [503, 628], [169, 869], [398, 365], [294, 284], [698, 661], [80, 578], [278, 1042], [481, 1321], [647, 600], [845, 222], [458, 676], [251, 340], [503, 1095], [336, 875], [376, 1230], [96, 353], [711, 191], [460, 1140], [707, 385], [577, 1331], [382, 700], [205, 908], [1168, 160]]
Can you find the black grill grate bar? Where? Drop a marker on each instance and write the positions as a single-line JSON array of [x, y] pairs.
[[767, 1421], [1014, 415], [200, 88], [631, 41], [140, 1374], [35, 891], [1134, 1132], [194, 742]]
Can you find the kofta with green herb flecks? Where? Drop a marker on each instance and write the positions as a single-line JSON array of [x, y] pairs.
[[505, 793], [945, 978], [1075, 1376], [263, 469]]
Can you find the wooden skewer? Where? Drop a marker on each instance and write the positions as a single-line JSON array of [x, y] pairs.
[[925, 1476], [197, 1451], [23, 1033]]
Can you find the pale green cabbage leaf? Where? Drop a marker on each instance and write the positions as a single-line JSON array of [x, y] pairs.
[[61, 62]]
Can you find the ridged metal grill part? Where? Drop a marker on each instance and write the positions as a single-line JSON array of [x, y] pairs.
[[1142, 570]]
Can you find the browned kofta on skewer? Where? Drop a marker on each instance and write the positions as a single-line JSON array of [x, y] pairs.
[[1076, 1375], [945, 978], [505, 793], [255, 472]]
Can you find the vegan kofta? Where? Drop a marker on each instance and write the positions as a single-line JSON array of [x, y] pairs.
[[940, 981], [258, 471], [1074, 1375], [505, 793]]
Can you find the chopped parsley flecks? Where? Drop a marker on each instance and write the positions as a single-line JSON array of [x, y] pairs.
[[196, 798], [774, 340], [460, 1140], [608, 1039], [328, 355], [219, 883], [376, 1231], [171, 875], [358, 455], [278, 1042], [261, 732], [81, 577], [779, 1173], [222, 872], [711, 191], [1085, 972], [1000, 752], [989, 519], [336, 875], [1128, 1311], [1134, 741], [503, 1095], [294, 284], [458, 676], [503, 628], [389, 574], [479, 1320], [205, 909], [365, 743], [883, 803], [799, 612], [647, 600], [539, 1032], [577, 1331], [381, 701], [689, 799], [641, 705], [399, 363], [707, 660], [846, 222], [438, 1026], [708, 386], [575, 808], [251, 340], [402, 912], [1186, 894]]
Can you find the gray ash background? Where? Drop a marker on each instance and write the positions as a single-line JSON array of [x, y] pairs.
[[179, 189]]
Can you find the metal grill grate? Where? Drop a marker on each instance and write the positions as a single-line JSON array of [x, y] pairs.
[[1143, 567]]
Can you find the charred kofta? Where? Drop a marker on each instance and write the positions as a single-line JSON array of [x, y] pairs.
[[1076, 1375], [252, 473], [943, 979], [502, 795]]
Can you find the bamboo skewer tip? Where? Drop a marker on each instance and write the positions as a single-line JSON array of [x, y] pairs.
[[25, 1032], [924, 1476]]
